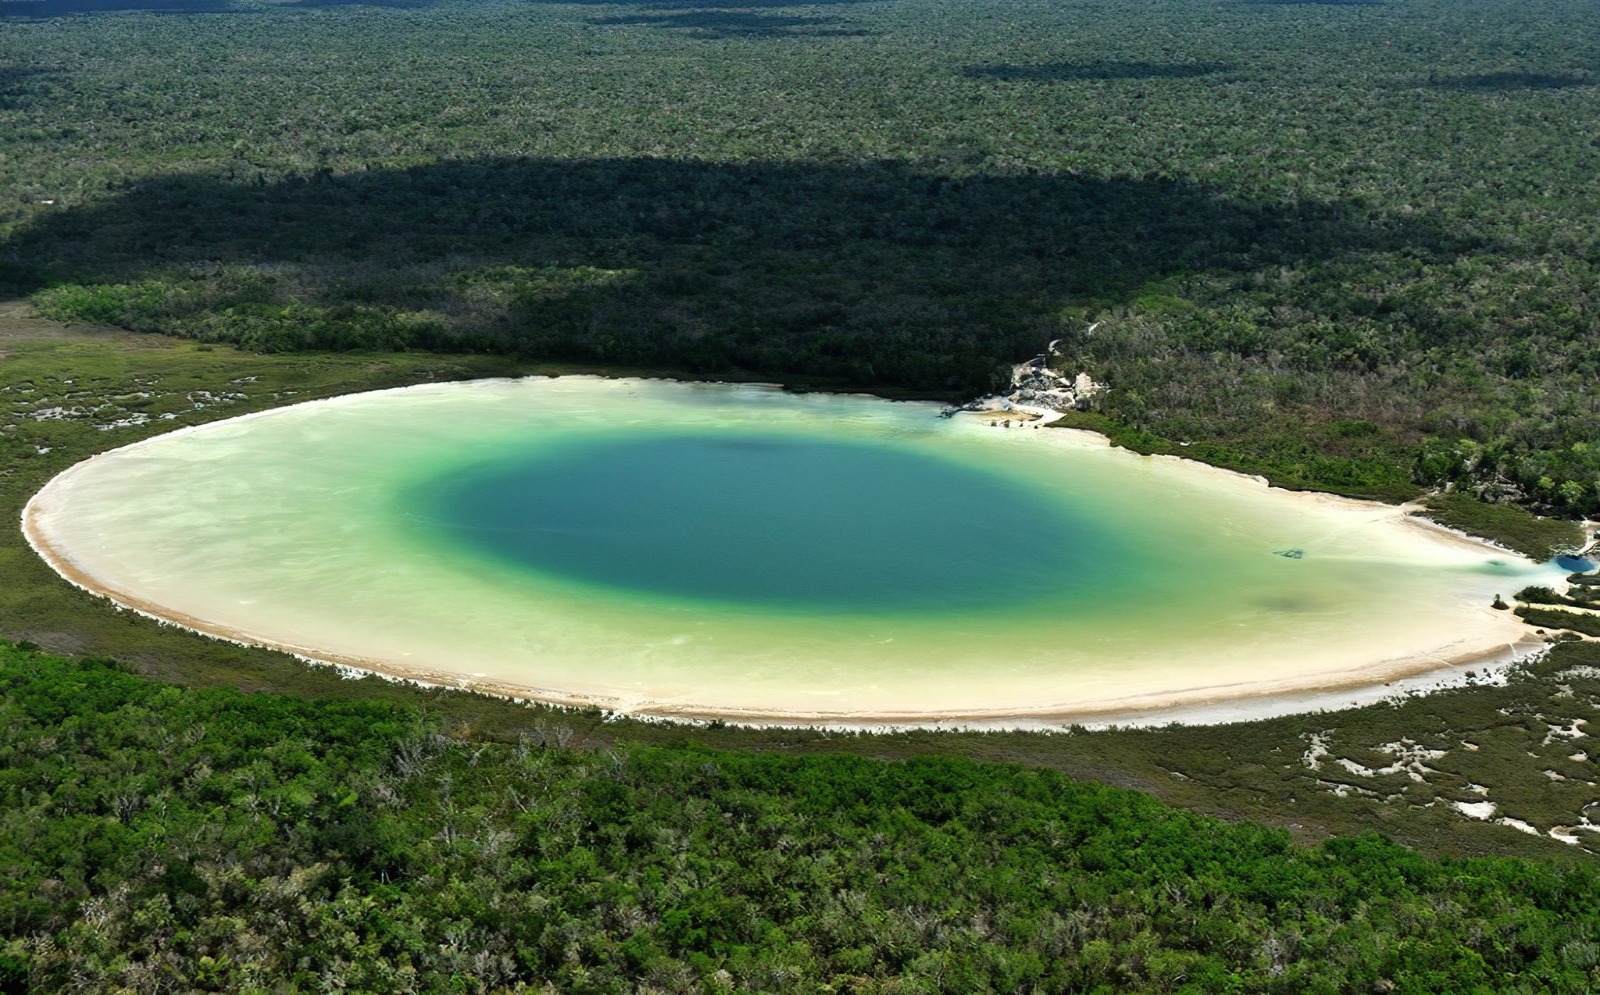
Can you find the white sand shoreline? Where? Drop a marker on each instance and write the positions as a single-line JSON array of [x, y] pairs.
[[1503, 642]]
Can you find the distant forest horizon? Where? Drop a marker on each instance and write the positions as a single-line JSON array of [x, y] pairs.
[[1349, 245]]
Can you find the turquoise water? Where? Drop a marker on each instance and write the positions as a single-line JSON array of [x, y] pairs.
[[783, 522], [711, 549]]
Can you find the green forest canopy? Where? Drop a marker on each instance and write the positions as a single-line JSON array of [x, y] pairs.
[[1346, 244], [152, 836]]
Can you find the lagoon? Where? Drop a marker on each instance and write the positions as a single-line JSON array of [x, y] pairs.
[[704, 550]]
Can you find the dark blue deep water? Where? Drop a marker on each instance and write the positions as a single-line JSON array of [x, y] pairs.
[[779, 522]]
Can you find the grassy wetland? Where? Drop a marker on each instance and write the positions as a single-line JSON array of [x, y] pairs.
[[1348, 246]]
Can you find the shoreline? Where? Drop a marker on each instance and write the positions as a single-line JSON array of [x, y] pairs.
[[1206, 705], [1232, 701]]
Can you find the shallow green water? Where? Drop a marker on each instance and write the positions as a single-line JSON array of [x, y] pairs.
[[684, 547]]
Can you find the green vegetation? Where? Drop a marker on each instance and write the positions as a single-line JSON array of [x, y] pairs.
[[1514, 528], [1374, 470], [1346, 245], [1580, 596], [1588, 625], [154, 839]]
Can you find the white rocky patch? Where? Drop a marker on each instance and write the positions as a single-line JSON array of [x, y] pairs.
[[1318, 749], [1039, 392], [199, 399], [1475, 810], [57, 413], [1410, 760], [137, 418], [1571, 731], [1569, 834], [1341, 790]]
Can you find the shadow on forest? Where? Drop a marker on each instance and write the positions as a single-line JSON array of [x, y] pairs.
[[1052, 72], [881, 271], [44, 9], [686, 5], [16, 84], [712, 19], [735, 23], [1313, 3], [390, 4], [1493, 82]]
